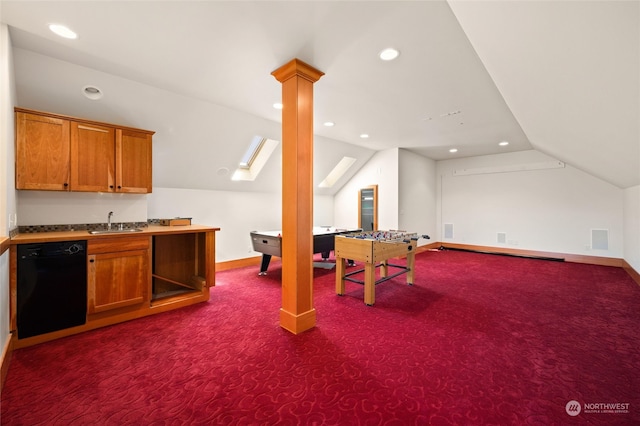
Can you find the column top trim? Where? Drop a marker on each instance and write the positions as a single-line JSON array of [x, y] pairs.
[[296, 67]]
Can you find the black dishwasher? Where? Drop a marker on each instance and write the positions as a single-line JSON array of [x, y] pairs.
[[52, 287]]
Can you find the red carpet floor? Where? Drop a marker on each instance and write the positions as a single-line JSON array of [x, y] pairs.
[[479, 339]]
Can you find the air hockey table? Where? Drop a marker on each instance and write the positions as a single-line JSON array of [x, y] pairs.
[[269, 243]]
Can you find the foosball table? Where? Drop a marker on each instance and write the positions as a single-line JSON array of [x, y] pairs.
[[374, 248]]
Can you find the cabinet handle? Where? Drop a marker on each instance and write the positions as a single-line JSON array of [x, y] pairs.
[[119, 187], [111, 186], [65, 184], [91, 260]]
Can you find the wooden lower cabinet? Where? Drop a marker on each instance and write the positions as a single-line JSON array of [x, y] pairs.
[[118, 273], [131, 276], [117, 279], [179, 265]]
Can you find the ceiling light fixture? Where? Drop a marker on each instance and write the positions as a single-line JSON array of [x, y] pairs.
[[92, 92], [453, 150], [329, 123], [364, 136], [278, 105], [503, 143], [63, 31], [389, 54]]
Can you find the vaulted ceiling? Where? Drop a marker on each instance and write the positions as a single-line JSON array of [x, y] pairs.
[[559, 77]]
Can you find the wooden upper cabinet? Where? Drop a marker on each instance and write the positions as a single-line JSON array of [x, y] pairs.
[[57, 152], [42, 152], [133, 161], [92, 158]]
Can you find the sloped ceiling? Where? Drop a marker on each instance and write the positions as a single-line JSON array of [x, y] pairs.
[[570, 73], [162, 64]]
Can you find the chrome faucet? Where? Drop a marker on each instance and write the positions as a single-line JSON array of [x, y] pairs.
[[109, 221]]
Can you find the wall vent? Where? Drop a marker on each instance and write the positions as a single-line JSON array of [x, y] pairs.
[[448, 230], [502, 237], [600, 239]]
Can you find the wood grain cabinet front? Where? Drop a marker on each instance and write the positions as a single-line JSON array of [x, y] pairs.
[[42, 152], [119, 273], [92, 158], [133, 161], [60, 153], [129, 276]]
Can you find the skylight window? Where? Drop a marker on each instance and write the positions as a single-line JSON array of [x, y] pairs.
[[254, 159], [252, 152], [338, 171], [63, 31]]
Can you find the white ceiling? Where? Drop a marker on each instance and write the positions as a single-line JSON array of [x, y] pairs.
[[560, 77]]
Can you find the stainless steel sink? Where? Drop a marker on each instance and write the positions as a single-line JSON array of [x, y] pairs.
[[115, 231]]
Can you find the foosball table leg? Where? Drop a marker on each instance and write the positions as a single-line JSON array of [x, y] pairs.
[[369, 284], [411, 262], [340, 270], [384, 269]]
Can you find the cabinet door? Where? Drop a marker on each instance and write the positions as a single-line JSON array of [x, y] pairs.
[[92, 158], [42, 152], [117, 280], [133, 161]]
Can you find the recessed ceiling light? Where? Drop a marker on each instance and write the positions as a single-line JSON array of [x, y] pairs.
[[389, 54], [364, 136], [63, 31], [329, 123], [503, 143], [277, 105], [92, 92], [452, 150]]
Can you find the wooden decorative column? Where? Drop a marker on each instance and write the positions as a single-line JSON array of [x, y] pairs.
[[297, 313]]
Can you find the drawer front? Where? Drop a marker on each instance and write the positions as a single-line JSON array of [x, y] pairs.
[[110, 245]]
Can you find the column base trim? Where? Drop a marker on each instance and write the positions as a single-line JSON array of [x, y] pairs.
[[297, 324]]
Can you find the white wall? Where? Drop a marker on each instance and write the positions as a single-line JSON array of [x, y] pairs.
[[632, 227], [60, 208], [197, 144], [381, 170], [235, 213], [546, 210], [193, 139], [7, 101], [7, 180], [417, 194]]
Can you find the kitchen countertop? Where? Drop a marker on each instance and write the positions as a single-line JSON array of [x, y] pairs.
[[45, 237], [4, 244]]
